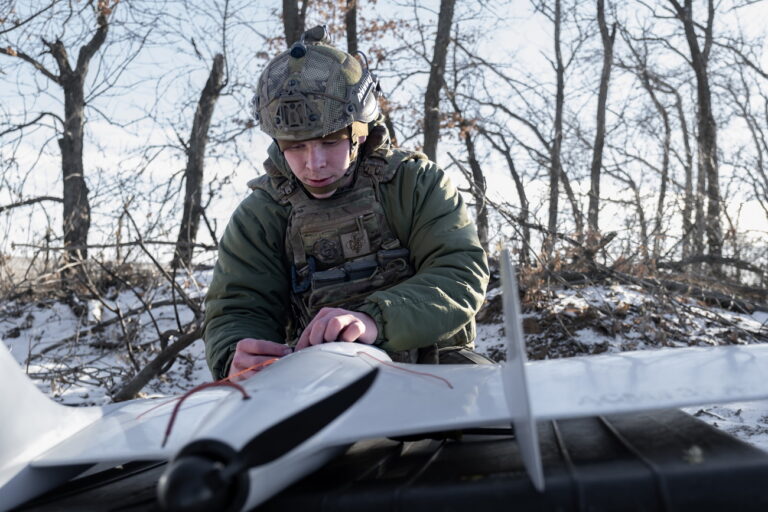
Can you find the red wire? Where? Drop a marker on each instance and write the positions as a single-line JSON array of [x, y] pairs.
[[408, 370], [226, 381], [263, 364], [195, 389]]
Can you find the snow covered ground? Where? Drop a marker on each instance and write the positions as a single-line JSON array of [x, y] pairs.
[[81, 360]]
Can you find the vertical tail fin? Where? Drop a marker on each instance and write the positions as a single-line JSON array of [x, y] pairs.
[[514, 376], [31, 424]]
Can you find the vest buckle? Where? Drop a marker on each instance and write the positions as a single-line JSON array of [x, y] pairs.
[[302, 279]]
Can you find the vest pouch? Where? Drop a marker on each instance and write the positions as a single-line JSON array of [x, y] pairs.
[[326, 278], [345, 294], [339, 288], [361, 269]]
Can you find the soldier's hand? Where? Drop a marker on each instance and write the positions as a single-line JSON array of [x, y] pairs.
[[336, 324], [250, 352]]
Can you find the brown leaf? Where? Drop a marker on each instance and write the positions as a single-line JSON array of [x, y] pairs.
[[572, 311]]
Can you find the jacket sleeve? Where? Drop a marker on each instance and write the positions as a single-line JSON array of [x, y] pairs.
[[429, 216], [248, 294]]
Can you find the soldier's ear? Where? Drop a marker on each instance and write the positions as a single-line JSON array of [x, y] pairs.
[[361, 139]]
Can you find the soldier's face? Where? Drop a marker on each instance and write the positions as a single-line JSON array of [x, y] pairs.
[[319, 162]]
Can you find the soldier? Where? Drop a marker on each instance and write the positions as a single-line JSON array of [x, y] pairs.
[[345, 238]]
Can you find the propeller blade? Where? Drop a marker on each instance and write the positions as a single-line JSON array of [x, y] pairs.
[[289, 433]]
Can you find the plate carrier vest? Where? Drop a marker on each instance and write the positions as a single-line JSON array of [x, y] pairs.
[[341, 248]]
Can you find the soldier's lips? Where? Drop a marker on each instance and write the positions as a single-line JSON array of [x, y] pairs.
[[319, 183]]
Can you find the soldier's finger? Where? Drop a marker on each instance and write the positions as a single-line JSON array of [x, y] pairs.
[[317, 333], [352, 331], [260, 347], [334, 327], [241, 361], [303, 341]]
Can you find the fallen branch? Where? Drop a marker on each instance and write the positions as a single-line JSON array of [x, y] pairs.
[[710, 297], [154, 368], [714, 260]]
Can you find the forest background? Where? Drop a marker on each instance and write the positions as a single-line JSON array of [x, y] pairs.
[[604, 140]]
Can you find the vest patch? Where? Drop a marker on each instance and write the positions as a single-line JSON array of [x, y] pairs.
[[327, 250], [355, 244]]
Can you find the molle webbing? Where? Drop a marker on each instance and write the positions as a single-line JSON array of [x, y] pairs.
[[342, 247]]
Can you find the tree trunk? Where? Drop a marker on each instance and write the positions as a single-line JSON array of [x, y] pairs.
[[602, 98], [651, 84], [193, 174], [524, 208], [707, 130], [666, 145], [688, 200], [555, 168], [435, 83], [350, 21], [666, 148], [577, 216], [77, 210], [478, 191], [293, 20]]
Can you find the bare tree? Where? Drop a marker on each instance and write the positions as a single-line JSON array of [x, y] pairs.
[[500, 144], [294, 17], [691, 202], [436, 78], [71, 79], [608, 38], [555, 165], [193, 173], [652, 84], [350, 23], [707, 129], [742, 94]]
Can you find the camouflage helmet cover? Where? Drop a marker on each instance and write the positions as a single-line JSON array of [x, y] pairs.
[[312, 90]]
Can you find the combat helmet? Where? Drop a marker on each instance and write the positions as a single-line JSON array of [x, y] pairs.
[[314, 89]]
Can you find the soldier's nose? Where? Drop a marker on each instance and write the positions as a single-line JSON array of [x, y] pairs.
[[315, 159]]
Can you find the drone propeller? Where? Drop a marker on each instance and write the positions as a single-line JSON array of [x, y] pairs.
[[210, 475]]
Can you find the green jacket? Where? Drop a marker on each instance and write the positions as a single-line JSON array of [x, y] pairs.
[[249, 294]]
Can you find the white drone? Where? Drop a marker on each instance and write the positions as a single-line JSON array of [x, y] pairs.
[[230, 453]]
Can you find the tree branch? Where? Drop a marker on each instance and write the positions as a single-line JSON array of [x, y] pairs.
[[30, 18], [30, 123], [31, 60], [90, 49], [30, 201]]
